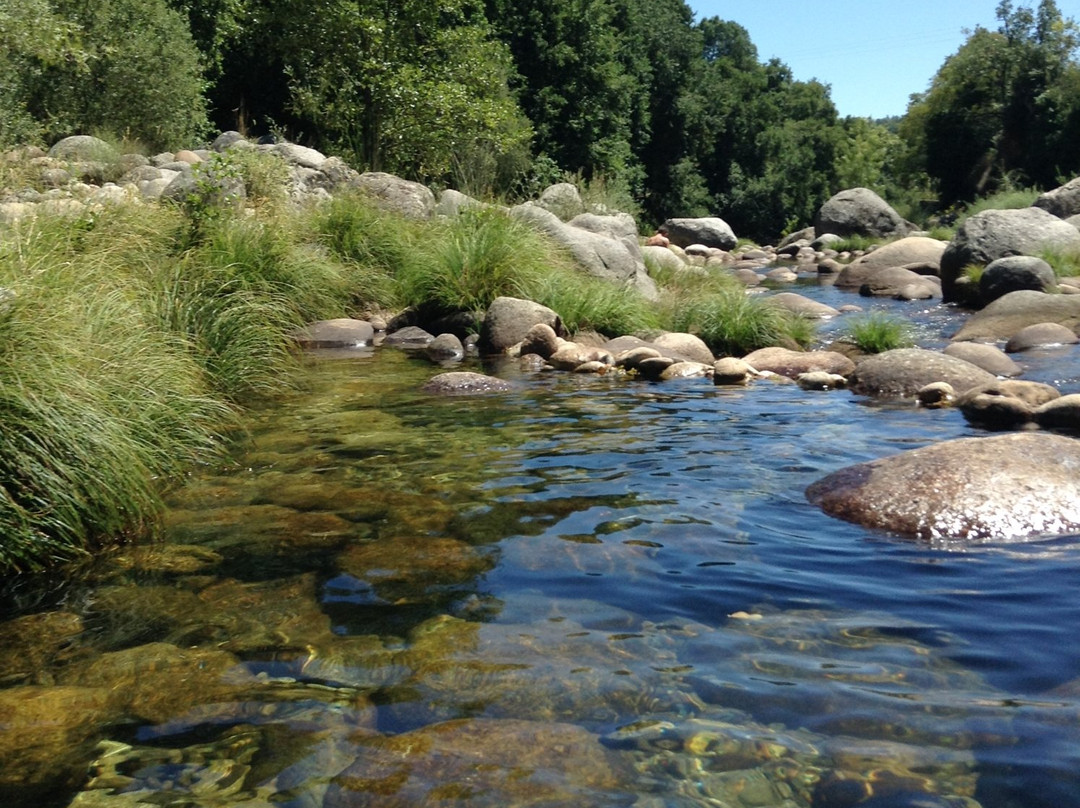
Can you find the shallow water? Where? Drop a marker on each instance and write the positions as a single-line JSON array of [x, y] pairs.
[[590, 591]]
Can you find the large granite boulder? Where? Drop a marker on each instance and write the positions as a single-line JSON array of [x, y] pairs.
[[994, 234], [861, 212], [509, 319], [563, 199], [1000, 488], [342, 332], [618, 260], [710, 231], [1063, 201], [903, 372], [612, 225], [410, 199], [1013, 274], [913, 251], [785, 362], [1016, 310], [83, 149]]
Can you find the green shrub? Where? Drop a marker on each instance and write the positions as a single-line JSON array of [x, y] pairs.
[[733, 323], [877, 332], [137, 74]]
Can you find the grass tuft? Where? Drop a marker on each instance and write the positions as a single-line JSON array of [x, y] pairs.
[[876, 332]]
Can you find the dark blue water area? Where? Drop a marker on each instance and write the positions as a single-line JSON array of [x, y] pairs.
[[700, 513]]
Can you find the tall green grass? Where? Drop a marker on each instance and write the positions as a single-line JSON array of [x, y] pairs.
[[877, 332], [97, 404]]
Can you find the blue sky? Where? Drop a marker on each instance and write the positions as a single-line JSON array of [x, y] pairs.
[[872, 54]]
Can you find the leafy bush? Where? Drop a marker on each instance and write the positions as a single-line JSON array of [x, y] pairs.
[[137, 74]]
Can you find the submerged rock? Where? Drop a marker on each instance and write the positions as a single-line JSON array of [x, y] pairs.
[[465, 383], [478, 762], [1001, 488]]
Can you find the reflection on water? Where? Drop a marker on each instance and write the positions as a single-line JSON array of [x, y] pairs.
[[587, 592]]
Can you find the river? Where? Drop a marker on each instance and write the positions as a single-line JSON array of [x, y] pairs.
[[587, 591]]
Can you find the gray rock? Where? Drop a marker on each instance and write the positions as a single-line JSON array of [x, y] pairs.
[[83, 148], [801, 306], [1063, 201], [615, 225], [686, 345], [1060, 413], [861, 212], [904, 371], [227, 140], [906, 252], [663, 258], [410, 336], [465, 383], [452, 202], [571, 355], [1040, 335], [410, 199], [339, 333], [1013, 274], [792, 364], [901, 283], [444, 348], [1016, 310], [994, 234], [297, 155], [616, 260], [710, 231], [731, 371], [563, 200], [1001, 488], [509, 319], [988, 357]]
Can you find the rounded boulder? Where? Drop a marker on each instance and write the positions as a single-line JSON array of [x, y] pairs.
[[1000, 488]]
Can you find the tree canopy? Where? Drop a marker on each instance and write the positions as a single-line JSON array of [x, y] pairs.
[[498, 97]]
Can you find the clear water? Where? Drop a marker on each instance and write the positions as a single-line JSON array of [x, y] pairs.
[[589, 591]]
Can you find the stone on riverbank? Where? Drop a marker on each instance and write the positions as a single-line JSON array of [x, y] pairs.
[[343, 332], [904, 371], [994, 234], [913, 251], [1000, 488], [1016, 310], [710, 231], [860, 212], [785, 362]]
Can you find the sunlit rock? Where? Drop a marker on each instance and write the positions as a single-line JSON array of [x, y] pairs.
[[1000, 488]]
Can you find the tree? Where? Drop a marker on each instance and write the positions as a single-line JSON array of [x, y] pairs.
[[135, 72], [995, 111]]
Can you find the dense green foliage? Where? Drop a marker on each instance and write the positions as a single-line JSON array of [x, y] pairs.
[[1004, 109], [676, 115]]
